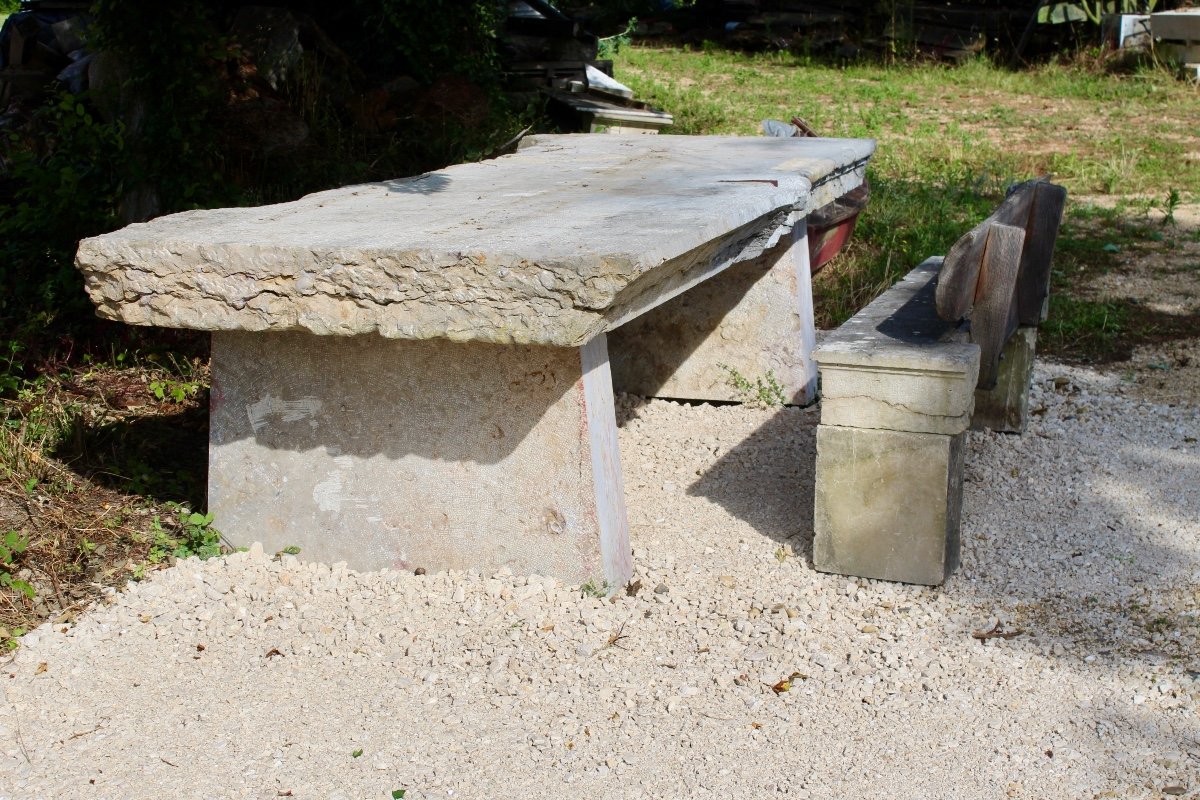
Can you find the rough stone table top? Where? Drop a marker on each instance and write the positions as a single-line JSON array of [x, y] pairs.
[[568, 237]]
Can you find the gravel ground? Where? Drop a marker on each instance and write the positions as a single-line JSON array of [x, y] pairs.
[[260, 678]]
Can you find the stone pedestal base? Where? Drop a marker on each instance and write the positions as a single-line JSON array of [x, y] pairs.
[[754, 320], [899, 387], [887, 504], [1005, 408], [403, 454]]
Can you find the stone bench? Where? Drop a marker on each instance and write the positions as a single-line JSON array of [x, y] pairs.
[[416, 373], [949, 347]]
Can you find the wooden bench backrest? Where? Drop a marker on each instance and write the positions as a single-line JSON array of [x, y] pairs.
[[998, 274]]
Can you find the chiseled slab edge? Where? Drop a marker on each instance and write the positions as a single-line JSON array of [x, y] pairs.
[[912, 400], [463, 313], [274, 268]]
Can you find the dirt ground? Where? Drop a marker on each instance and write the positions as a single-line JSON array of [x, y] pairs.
[[1165, 280]]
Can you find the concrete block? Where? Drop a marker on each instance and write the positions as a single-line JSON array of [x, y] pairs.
[[888, 504], [755, 318], [1005, 407], [403, 454]]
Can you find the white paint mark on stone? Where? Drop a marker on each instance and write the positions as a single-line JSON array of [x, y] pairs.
[[328, 494], [287, 410]]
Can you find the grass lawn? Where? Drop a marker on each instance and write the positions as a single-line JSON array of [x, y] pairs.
[[950, 141]]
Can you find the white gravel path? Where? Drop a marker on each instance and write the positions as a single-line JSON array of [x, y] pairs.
[[258, 678]]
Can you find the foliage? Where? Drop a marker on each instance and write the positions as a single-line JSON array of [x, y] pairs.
[[12, 545], [178, 391], [10, 366], [594, 587], [950, 141], [425, 38], [764, 392], [1095, 10], [196, 537], [172, 57], [64, 182], [1083, 325], [72, 170], [1171, 206], [160, 134], [609, 46]]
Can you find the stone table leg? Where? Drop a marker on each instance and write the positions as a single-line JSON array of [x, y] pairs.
[[754, 321], [402, 454]]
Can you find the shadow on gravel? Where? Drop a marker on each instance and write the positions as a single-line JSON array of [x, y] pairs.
[[1089, 559], [1082, 543], [767, 479]]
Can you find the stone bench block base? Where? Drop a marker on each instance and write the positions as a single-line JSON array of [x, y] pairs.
[[887, 504], [1005, 408], [754, 320], [899, 386], [399, 454]]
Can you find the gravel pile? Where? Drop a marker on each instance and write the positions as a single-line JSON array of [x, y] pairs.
[[728, 668]]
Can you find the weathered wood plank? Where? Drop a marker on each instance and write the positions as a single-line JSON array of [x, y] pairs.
[[994, 317], [960, 275], [1035, 206], [1041, 232], [960, 272]]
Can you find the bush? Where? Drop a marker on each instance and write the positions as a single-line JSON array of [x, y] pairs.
[[159, 137], [63, 182]]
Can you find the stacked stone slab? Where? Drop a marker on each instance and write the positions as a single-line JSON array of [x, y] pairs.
[[898, 388]]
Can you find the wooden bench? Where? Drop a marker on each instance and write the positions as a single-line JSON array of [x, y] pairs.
[[949, 347], [416, 373]]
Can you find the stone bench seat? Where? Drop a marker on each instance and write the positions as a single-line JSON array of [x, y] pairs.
[[897, 392], [948, 348], [416, 373]]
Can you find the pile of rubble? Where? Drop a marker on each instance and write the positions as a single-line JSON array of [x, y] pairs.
[[39, 46], [549, 53]]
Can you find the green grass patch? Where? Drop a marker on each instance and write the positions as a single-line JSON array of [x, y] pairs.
[[1099, 132], [1083, 328], [950, 141], [1098, 331]]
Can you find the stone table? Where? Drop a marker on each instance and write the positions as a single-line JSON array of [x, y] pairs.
[[416, 372]]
